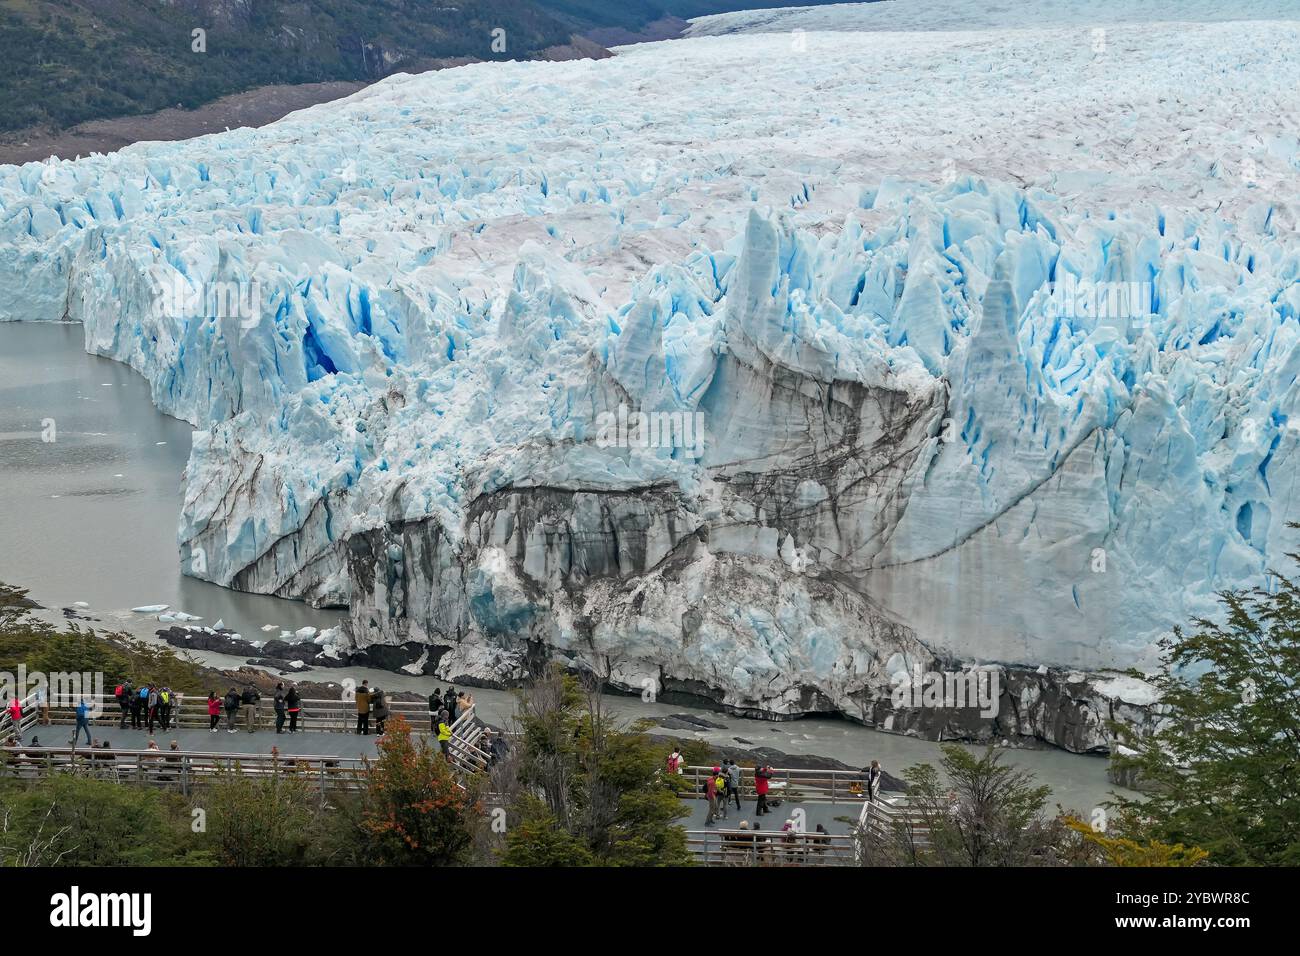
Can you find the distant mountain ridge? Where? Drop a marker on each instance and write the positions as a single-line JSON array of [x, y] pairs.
[[63, 62]]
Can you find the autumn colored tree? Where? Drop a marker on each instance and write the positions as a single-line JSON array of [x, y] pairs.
[[415, 812]]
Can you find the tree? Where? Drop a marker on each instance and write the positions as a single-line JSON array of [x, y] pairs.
[[415, 812], [1122, 851], [70, 820], [263, 821], [1222, 766], [598, 783], [986, 814]]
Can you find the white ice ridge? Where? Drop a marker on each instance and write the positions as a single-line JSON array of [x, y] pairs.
[[993, 335], [905, 16]]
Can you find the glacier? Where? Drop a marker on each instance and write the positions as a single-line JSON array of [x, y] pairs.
[[990, 327]]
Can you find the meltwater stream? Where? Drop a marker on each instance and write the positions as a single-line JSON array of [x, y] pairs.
[[92, 515]]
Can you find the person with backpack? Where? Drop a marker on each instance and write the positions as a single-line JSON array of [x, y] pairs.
[[232, 709], [165, 708], [363, 707], [733, 781], [711, 791], [151, 707], [449, 704], [435, 705], [214, 711], [379, 707], [83, 722], [138, 702], [293, 704], [279, 708], [873, 776], [251, 702], [675, 761], [123, 694], [762, 776]]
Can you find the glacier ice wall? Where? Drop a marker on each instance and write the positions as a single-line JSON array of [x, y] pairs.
[[989, 365]]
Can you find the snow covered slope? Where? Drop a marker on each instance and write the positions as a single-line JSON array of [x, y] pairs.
[[990, 335], [931, 16]]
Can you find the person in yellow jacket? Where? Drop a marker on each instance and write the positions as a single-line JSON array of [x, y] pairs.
[[363, 707], [444, 733]]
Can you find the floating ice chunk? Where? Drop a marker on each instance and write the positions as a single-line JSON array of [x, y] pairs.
[[150, 608], [304, 633]]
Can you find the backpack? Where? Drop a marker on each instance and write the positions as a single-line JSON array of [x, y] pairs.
[[119, 691]]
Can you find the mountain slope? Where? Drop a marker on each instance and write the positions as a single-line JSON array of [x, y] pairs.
[[66, 61]]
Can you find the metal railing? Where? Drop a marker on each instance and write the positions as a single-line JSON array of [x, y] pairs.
[[327, 716], [806, 786], [465, 749], [179, 770], [750, 848]]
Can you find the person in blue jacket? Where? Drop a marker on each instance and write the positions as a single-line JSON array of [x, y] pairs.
[[83, 722]]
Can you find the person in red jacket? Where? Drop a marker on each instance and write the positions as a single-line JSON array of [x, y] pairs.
[[762, 775], [214, 710]]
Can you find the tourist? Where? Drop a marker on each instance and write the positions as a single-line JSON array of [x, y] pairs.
[[165, 708], [363, 708], [42, 705], [379, 706], [819, 840], [279, 708], [151, 707], [711, 791], [251, 702], [449, 704], [172, 759], [292, 703], [83, 722], [675, 761], [464, 703], [762, 774], [138, 702], [496, 747], [435, 705], [16, 712], [874, 774], [214, 710], [232, 709], [721, 780], [124, 693], [733, 781], [444, 733]]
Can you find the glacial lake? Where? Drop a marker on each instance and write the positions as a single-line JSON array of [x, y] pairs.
[[92, 517]]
